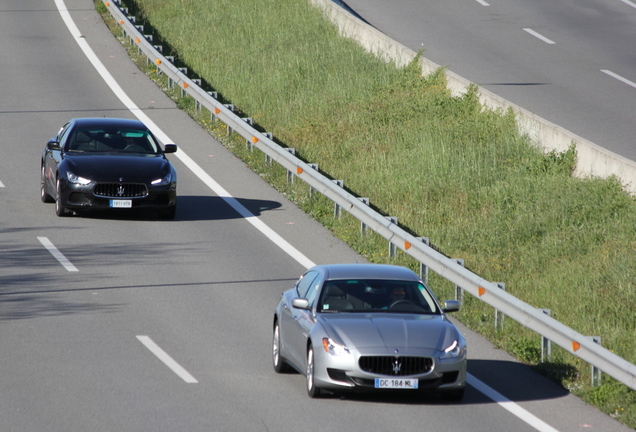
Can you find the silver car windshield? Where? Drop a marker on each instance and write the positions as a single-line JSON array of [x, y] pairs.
[[369, 295]]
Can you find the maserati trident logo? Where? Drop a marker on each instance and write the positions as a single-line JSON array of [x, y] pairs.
[[120, 190], [396, 366]]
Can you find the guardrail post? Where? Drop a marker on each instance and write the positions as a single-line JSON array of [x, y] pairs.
[[249, 143], [499, 316], [392, 247], [290, 175], [424, 267], [546, 344], [596, 372], [231, 108], [337, 211], [459, 291], [363, 226], [315, 167]]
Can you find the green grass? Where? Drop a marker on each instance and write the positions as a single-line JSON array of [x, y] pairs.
[[450, 170]]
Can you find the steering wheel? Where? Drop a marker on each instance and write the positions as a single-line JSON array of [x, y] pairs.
[[399, 302]]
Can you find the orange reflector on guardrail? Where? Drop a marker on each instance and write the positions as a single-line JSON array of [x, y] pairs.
[[254, 140], [158, 61], [121, 22], [107, 4], [216, 110], [137, 40], [407, 245], [299, 170], [185, 85], [481, 291], [575, 346]]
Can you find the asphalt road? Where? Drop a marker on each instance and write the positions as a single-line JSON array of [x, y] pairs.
[[166, 325], [572, 62]]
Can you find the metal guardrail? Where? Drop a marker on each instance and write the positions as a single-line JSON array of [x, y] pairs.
[[489, 292]]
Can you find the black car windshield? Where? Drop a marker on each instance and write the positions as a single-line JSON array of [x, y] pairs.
[[368, 295], [111, 140]]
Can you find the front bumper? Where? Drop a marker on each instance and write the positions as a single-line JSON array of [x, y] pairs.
[[83, 198], [344, 373]]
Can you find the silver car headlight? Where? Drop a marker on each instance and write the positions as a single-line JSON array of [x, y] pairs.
[[75, 179], [333, 348], [453, 351], [162, 181]]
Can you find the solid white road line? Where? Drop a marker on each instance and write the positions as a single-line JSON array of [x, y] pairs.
[[510, 406], [627, 2], [539, 36], [167, 360], [482, 2], [293, 252], [618, 77], [57, 254]]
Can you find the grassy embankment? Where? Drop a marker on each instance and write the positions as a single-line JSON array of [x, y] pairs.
[[451, 171]]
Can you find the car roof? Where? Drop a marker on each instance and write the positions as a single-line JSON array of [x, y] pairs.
[[106, 122], [366, 271]]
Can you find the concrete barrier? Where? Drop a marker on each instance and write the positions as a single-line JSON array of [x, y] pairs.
[[592, 159]]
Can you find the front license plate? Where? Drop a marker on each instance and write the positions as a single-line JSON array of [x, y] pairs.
[[410, 383], [121, 203]]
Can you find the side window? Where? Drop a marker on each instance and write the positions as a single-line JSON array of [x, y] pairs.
[[305, 282], [63, 134], [313, 291]]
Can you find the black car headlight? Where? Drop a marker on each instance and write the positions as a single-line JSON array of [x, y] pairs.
[[75, 179], [454, 350], [162, 181], [333, 348]]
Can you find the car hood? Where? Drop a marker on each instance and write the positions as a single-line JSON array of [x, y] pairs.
[[113, 167], [388, 332]]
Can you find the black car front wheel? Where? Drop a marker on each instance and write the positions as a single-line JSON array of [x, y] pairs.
[[44, 195], [60, 210], [168, 214]]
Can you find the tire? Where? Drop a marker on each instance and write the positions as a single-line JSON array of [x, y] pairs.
[[59, 209], [280, 365], [312, 390], [44, 195], [168, 214], [453, 395]]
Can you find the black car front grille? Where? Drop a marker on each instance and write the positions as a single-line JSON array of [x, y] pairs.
[[395, 366], [121, 190]]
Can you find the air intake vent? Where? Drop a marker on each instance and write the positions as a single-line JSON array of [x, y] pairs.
[[121, 190], [396, 366]]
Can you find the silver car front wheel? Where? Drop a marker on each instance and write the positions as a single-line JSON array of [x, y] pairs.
[[280, 365], [312, 390]]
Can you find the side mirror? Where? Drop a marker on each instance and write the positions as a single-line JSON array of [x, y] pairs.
[[52, 144], [170, 148], [300, 303], [451, 306]]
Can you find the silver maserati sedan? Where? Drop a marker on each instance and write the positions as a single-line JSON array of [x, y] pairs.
[[373, 327]]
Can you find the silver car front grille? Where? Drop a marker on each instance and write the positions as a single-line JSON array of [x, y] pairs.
[[395, 366], [121, 190]]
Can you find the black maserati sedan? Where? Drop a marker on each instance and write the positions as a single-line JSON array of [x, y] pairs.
[[108, 164]]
